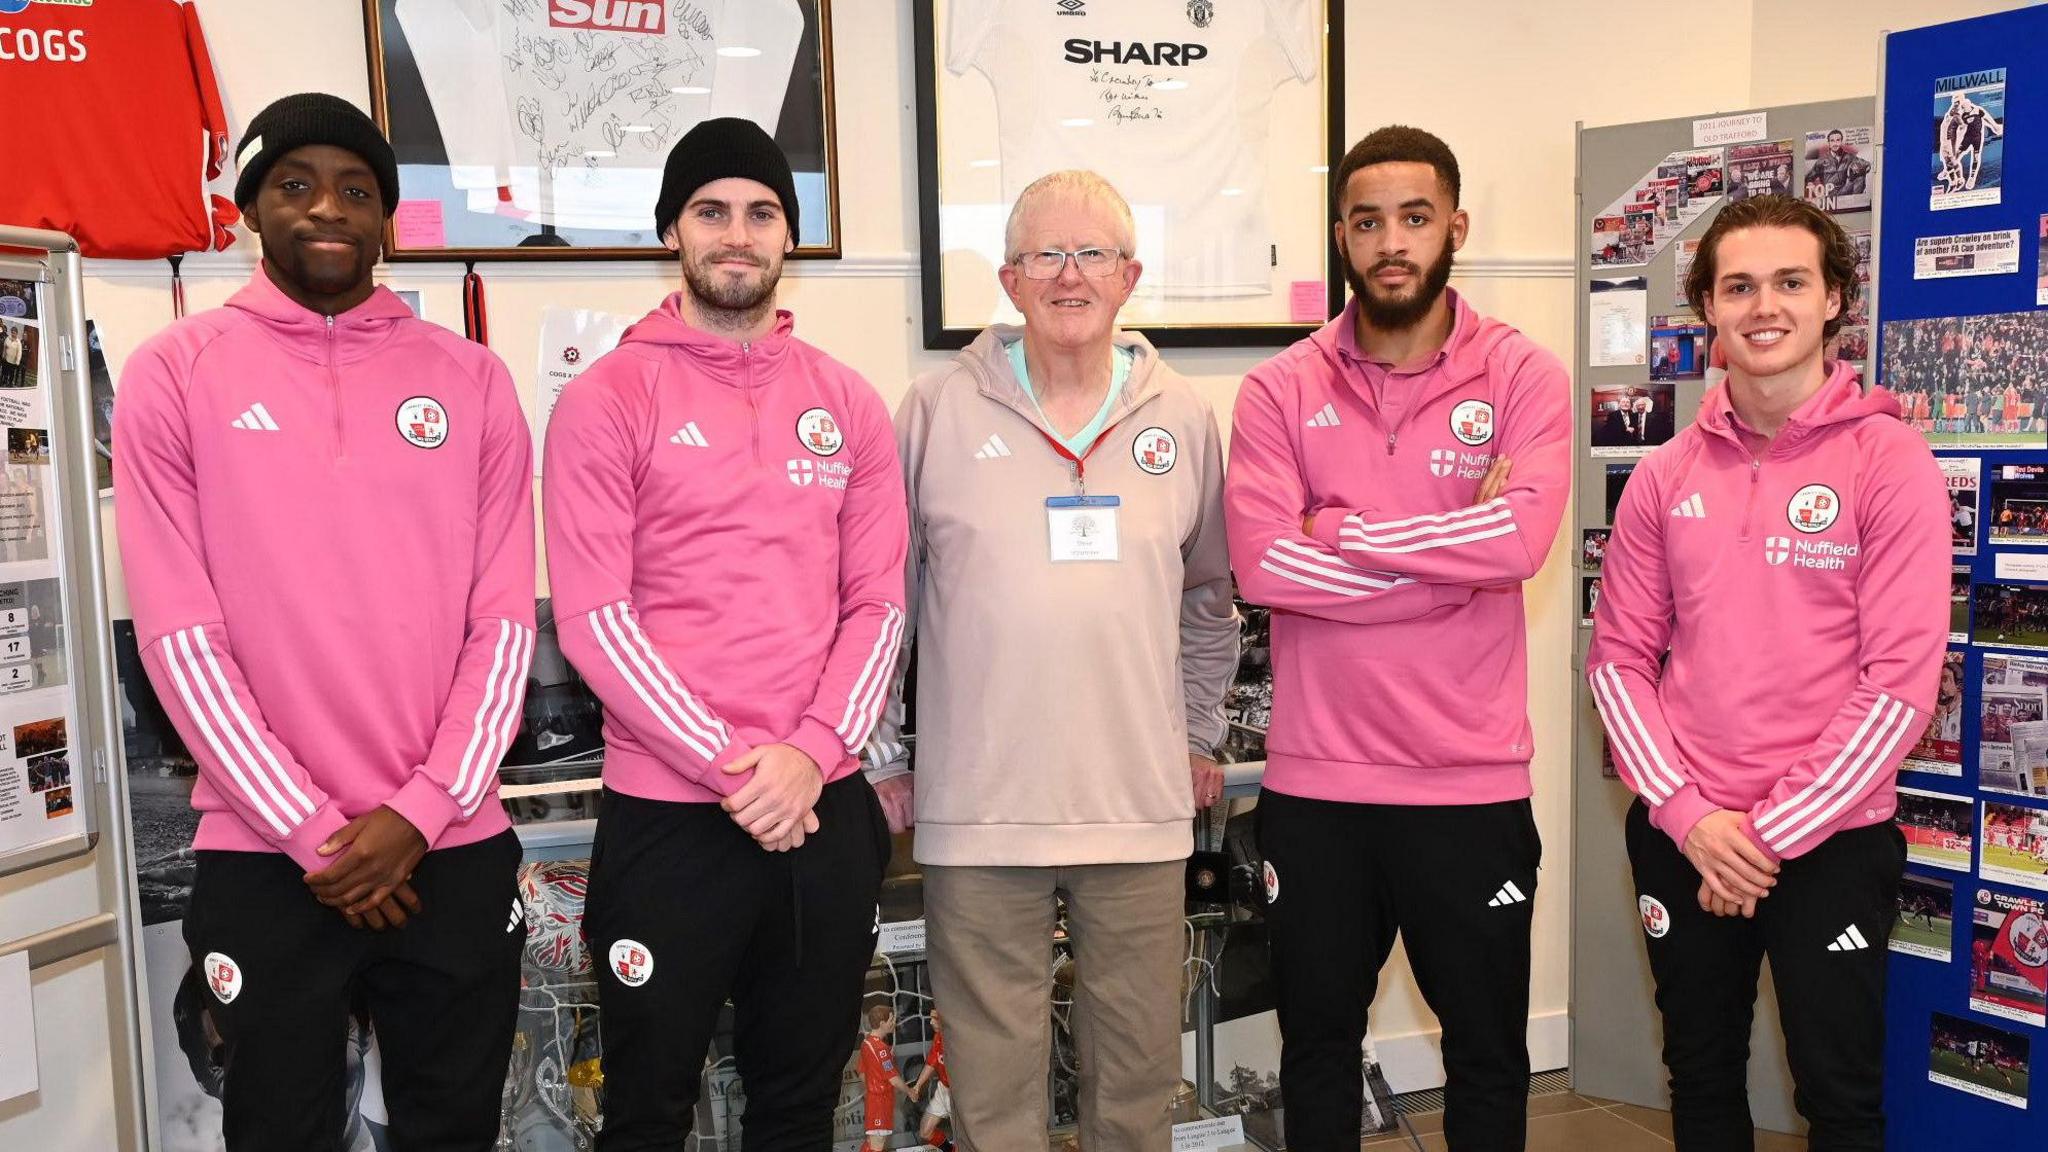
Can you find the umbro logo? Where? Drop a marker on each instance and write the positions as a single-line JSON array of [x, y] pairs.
[[1327, 418], [1691, 508], [689, 436], [1777, 549], [992, 449], [1851, 940], [1070, 7], [256, 419], [1508, 894]]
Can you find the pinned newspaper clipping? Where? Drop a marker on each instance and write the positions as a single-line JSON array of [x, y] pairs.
[[1963, 474], [1637, 225], [2009, 957], [1968, 162], [1838, 172], [1968, 254], [1939, 751]]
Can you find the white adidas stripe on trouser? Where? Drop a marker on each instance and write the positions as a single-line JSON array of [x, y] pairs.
[[230, 735], [1851, 940], [1508, 894]]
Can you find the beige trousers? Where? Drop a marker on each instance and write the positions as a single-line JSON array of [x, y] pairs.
[[989, 940]]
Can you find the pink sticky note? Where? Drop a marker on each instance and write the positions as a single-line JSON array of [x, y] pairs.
[[418, 224], [1307, 302]]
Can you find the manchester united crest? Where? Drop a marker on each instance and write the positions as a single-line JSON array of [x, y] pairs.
[[423, 421], [1200, 12], [1472, 422], [1813, 508], [819, 433], [1155, 450]]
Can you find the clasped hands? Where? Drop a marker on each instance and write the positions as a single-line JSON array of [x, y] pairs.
[[1734, 872]]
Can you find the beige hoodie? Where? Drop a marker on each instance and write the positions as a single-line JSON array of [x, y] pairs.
[[1057, 703]]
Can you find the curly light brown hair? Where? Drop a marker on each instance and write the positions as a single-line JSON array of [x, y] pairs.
[[1838, 256]]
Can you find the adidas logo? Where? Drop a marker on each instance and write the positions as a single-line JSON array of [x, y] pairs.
[[256, 419], [1851, 940], [1508, 894], [992, 449], [1327, 418], [518, 916], [689, 436], [1691, 508]]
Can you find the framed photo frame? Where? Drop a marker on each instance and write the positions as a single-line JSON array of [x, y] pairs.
[[538, 129], [1220, 121]]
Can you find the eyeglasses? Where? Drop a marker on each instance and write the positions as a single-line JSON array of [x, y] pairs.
[[1048, 265]]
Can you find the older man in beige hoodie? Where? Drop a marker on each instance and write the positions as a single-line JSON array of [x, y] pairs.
[[1070, 595]]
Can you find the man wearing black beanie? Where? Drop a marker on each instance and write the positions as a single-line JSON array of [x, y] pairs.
[[317, 182], [726, 534], [327, 520]]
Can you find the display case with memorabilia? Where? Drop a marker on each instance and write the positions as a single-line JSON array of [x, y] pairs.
[[538, 129], [1218, 121]]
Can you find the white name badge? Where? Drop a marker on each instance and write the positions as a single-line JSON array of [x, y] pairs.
[[1082, 527]]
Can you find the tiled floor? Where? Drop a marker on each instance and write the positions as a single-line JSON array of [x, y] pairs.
[[1567, 1122]]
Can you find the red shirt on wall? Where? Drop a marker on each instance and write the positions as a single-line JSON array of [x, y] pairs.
[[121, 126]]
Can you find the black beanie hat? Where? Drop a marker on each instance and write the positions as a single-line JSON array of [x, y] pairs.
[[313, 118], [714, 150]]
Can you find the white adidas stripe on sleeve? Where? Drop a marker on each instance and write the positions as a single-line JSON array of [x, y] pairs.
[[719, 732], [504, 725], [247, 726], [495, 722], [223, 723], [631, 667], [183, 676], [1875, 739], [865, 698], [1656, 780], [1318, 569], [1436, 530]]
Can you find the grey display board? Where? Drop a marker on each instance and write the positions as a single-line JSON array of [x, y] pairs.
[[1617, 1040]]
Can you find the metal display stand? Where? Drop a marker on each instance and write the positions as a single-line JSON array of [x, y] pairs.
[[62, 499]]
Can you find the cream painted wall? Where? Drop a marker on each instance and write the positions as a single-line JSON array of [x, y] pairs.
[[1788, 63], [1502, 82]]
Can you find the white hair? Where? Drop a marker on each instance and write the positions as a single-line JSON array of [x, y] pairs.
[[1080, 183]]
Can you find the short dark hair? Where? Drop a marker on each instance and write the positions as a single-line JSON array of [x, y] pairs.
[[1837, 250], [1397, 143]]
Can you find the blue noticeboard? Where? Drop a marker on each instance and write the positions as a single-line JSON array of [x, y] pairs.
[[1980, 87]]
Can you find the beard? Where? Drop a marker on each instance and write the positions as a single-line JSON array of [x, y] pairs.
[[722, 297], [1399, 313]]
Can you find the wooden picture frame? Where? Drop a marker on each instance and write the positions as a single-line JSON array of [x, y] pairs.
[[538, 129], [1228, 177]]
